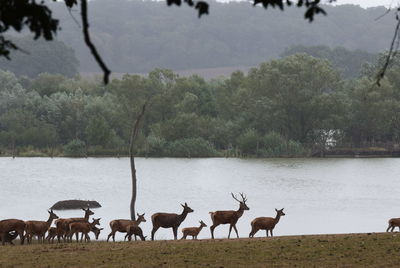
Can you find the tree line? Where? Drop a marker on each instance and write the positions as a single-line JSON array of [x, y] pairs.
[[286, 107]]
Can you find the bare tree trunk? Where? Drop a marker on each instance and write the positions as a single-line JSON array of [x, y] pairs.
[[135, 131]]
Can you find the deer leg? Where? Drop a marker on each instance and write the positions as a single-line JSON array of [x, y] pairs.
[[271, 232], [175, 230], [234, 227], [111, 234], [230, 229], [266, 232], [392, 229], [155, 228], [135, 237], [212, 227], [387, 230]]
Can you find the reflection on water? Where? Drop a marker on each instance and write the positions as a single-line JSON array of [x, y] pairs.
[[319, 195]]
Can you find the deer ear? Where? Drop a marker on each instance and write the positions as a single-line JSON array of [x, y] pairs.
[[276, 210], [185, 204], [143, 214], [182, 205], [137, 214], [101, 229]]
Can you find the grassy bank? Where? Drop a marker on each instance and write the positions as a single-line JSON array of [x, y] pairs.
[[347, 250]]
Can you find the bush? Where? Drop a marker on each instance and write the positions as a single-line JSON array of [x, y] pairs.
[[156, 146], [273, 145], [75, 148], [191, 147], [247, 142]]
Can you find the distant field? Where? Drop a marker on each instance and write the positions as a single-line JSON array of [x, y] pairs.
[[347, 250]]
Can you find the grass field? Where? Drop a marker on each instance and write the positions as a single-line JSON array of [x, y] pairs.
[[347, 250]]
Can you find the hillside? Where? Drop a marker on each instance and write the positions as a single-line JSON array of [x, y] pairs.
[[138, 36]]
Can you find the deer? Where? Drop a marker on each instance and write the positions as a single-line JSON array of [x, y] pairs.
[[229, 216], [395, 222], [121, 225], [62, 225], [169, 220], [266, 223], [134, 230], [193, 231], [10, 237], [38, 228], [82, 227], [9, 225], [52, 233]]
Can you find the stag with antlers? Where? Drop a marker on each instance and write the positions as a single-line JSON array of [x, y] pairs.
[[229, 216]]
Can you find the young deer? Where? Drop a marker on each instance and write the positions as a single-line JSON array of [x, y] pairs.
[[121, 225], [51, 234], [38, 228], [82, 227], [62, 225], [10, 237], [395, 222], [193, 231], [169, 220], [134, 230], [229, 216], [9, 225], [265, 223]]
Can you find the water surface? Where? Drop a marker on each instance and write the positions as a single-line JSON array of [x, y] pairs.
[[319, 195]]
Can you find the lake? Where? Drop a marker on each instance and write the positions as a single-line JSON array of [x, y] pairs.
[[319, 195]]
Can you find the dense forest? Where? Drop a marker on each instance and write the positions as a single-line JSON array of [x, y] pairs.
[[138, 36], [287, 107]]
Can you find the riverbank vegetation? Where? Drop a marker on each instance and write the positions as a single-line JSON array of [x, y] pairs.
[[294, 106], [348, 250]]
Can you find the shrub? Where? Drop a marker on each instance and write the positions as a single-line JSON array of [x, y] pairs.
[[75, 148], [247, 142], [191, 147]]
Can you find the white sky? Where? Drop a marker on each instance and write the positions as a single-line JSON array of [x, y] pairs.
[[370, 3]]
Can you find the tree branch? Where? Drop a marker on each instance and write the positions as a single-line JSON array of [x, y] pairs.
[[93, 50]]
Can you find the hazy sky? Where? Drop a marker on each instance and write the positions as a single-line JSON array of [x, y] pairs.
[[370, 3]]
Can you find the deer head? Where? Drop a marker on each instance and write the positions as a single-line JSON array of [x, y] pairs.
[[242, 202], [186, 208], [280, 212], [53, 216], [97, 232], [140, 218], [88, 212], [202, 224], [95, 222]]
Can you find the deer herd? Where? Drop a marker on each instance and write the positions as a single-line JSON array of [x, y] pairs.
[[65, 229]]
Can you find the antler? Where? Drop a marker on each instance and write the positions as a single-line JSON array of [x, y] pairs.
[[244, 199]]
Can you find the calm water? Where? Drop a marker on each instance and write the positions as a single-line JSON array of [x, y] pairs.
[[319, 195]]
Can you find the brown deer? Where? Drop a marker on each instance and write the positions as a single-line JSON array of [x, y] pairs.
[[169, 220], [193, 231], [395, 222], [229, 216], [10, 237], [9, 225], [38, 228], [51, 234], [265, 223], [82, 227], [134, 230], [121, 225], [62, 225]]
